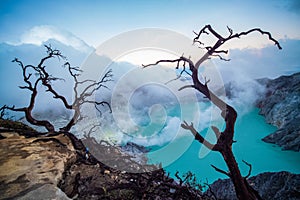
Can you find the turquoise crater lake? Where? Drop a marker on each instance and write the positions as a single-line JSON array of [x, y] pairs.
[[250, 129]]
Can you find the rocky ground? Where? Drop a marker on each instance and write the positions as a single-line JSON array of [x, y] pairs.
[[281, 107], [31, 167], [57, 166], [270, 185]]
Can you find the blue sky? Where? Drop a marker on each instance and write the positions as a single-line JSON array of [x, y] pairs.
[[96, 21]]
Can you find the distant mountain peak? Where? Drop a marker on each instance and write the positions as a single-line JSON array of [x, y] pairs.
[[39, 35]]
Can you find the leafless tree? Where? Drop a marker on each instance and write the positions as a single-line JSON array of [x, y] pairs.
[[35, 76], [224, 138]]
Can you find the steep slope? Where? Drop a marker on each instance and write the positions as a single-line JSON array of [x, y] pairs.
[[57, 166], [270, 185], [281, 107]]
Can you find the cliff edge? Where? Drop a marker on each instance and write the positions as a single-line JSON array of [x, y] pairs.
[[281, 107]]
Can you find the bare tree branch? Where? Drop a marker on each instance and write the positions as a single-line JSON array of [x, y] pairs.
[[221, 58], [179, 178], [186, 86], [216, 131], [92, 130], [230, 31], [180, 75], [221, 40], [45, 79], [221, 171], [221, 51], [229, 114], [2, 112], [250, 169], [197, 135], [238, 35]]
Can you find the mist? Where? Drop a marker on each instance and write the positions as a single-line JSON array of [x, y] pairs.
[[46, 106], [145, 101]]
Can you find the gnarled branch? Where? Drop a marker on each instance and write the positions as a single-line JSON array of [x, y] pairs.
[[222, 40], [250, 169], [45, 79], [197, 135], [224, 138], [238, 35], [221, 171]]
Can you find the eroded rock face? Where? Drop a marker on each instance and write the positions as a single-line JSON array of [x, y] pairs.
[[270, 185], [59, 167], [281, 107], [27, 164]]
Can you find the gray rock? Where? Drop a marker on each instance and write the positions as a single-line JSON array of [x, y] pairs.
[[270, 185], [134, 148], [281, 107], [45, 192]]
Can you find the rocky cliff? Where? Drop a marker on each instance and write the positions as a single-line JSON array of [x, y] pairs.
[[281, 107], [31, 167], [57, 166], [270, 185]]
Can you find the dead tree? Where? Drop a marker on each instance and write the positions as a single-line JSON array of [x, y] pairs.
[[35, 76], [224, 138]]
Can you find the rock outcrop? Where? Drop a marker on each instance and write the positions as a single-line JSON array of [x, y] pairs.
[[29, 166], [281, 107], [119, 175], [58, 166], [270, 185]]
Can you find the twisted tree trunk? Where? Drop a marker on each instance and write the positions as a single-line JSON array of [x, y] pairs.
[[225, 138], [241, 186], [44, 78]]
